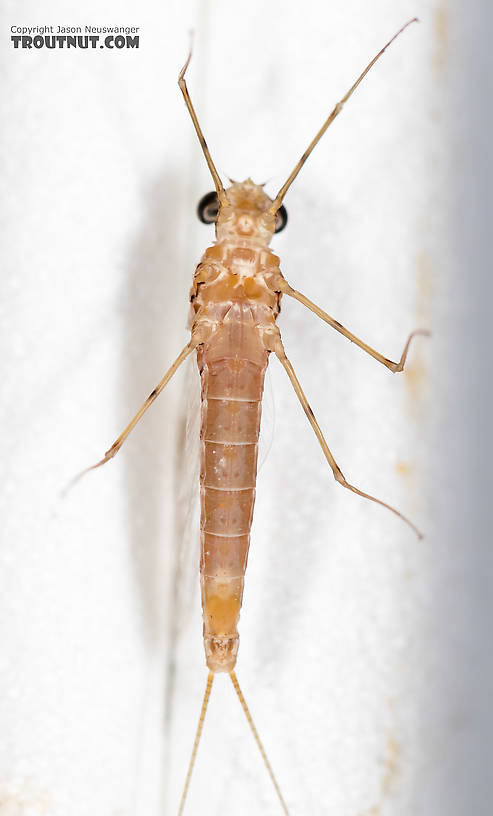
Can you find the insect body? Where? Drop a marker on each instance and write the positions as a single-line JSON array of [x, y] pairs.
[[235, 297], [236, 303]]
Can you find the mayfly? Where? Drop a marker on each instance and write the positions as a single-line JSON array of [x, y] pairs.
[[235, 298]]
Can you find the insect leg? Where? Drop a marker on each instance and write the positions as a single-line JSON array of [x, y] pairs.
[[221, 194], [338, 475], [335, 112], [288, 290], [140, 413]]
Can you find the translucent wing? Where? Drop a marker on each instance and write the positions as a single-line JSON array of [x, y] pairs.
[[267, 422], [187, 510], [185, 581]]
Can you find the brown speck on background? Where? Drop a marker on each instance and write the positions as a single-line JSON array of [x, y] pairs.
[[415, 376], [441, 21], [403, 469]]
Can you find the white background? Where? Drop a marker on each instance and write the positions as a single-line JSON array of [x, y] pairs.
[[364, 653]]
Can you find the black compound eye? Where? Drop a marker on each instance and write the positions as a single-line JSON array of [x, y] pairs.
[[281, 218], [208, 208]]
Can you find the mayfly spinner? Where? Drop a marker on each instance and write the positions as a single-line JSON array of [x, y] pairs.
[[235, 297]]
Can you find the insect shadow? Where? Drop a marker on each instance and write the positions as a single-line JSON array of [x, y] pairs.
[[155, 282]]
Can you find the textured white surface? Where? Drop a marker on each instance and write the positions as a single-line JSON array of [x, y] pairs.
[[364, 654]]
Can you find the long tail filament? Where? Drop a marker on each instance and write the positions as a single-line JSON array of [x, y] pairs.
[[261, 748], [198, 734]]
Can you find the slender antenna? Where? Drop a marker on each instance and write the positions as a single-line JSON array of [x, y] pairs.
[[196, 741], [261, 748], [282, 192], [221, 193]]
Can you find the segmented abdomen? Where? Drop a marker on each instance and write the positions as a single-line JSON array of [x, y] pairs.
[[232, 365]]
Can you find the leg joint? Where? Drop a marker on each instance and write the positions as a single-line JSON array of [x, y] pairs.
[[338, 475]]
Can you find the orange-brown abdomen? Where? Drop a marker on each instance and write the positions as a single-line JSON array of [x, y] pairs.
[[232, 365]]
